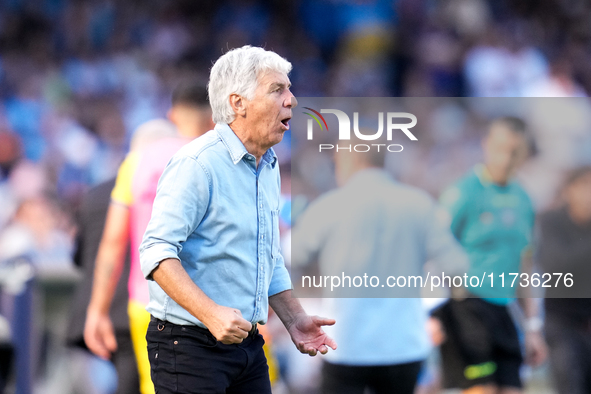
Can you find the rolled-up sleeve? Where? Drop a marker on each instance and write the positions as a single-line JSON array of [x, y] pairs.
[[181, 201], [280, 280]]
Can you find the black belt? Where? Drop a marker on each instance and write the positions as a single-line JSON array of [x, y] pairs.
[[162, 323], [253, 330]]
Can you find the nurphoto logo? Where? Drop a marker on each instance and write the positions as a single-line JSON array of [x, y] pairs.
[[393, 123]]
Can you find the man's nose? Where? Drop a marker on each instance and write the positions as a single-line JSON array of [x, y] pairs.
[[292, 102]]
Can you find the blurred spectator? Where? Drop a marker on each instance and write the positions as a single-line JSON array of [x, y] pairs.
[[36, 232], [559, 82], [564, 245], [20, 179], [560, 127], [10, 156], [6, 353], [375, 226], [99, 333], [504, 65], [10, 153], [24, 112], [91, 221], [36, 241], [152, 146]]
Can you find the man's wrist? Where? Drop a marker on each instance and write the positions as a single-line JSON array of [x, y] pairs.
[[207, 312], [287, 308], [98, 308], [533, 324], [290, 322]]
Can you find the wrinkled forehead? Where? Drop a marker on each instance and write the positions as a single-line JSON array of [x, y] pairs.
[[270, 77]]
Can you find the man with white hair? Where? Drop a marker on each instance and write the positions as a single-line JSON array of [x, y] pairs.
[[211, 250]]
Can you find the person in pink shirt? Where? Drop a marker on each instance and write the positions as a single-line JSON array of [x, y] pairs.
[[129, 212]]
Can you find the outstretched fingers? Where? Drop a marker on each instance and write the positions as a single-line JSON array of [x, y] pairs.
[[306, 349], [331, 343], [323, 321]]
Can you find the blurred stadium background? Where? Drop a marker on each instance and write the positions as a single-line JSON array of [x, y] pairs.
[[78, 76]]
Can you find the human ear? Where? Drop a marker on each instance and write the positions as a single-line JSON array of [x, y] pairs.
[[238, 104]]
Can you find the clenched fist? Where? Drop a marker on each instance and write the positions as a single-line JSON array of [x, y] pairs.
[[227, 324]]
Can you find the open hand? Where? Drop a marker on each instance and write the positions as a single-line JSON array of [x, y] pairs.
[[308, 336]]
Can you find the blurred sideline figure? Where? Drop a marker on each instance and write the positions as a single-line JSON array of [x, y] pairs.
[[492, 217], [10, 159], [6, 353], [10, 156], [98, 330], [564, 245], [129, 213], [376, 225], [91, 222]]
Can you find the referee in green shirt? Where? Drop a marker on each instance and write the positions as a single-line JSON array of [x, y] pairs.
[[492, 217]]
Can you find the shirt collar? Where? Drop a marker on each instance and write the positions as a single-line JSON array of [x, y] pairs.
[[236, 147], [484, 177], [482, 174], [369, 174], [270, 157]]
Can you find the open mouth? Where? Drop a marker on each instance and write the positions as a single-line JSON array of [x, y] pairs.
[[285, 122]]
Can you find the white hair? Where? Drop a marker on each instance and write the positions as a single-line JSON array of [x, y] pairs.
[[237, 71], [151, 131]]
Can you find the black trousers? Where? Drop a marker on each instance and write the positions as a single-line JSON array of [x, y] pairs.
[[382, 379], [128, 381], [6, 361], [569, 341], [481, 347], [188, 359]]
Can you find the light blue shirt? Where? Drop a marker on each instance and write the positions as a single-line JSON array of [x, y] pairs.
[[376, 225], [218, 214]]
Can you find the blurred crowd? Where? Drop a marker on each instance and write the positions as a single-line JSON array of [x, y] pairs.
[[77, 77]]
